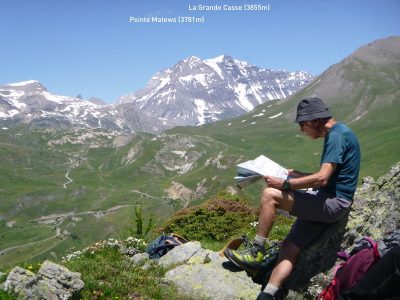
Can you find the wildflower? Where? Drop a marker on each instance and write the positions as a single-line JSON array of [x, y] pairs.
[[254, 224]]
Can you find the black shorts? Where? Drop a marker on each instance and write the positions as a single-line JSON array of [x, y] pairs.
[[314, 210]]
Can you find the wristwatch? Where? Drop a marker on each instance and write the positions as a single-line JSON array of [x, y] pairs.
[[286, 185]]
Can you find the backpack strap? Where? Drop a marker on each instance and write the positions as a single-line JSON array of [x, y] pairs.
[[374, 246], [343, 255], [179, 239]]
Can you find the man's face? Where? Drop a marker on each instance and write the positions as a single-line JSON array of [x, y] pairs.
[[310, 128]]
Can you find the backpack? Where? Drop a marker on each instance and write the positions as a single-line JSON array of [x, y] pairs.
[[356, 263], [163, 244]]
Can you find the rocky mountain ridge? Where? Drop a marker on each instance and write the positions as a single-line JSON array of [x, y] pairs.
[[195, 91], [30, 103], [192, 92]]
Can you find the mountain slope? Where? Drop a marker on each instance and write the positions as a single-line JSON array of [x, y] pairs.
[[194, 92], [362, 90]]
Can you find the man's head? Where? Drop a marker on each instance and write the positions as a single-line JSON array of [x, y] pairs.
[[311, 109], [312, 116]]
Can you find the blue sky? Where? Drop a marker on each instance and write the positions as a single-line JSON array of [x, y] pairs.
[[89, 47]]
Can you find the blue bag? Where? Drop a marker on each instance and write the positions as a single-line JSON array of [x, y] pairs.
[[164, 243]]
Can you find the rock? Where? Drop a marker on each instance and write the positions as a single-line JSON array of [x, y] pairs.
[[180, 254], [17, 279], [150, 264], [51, 282], [139, 258], [131, 251], [204, 256], [376, 207], [212, 281]]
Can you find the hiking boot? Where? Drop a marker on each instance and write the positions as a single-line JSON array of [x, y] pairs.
[[248, 259], [265, 296]]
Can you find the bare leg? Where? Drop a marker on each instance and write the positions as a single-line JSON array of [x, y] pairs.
[[287, 258], [271, 199]]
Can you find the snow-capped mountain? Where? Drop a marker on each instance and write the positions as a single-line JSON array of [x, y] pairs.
[[30, 103], [194, 92]]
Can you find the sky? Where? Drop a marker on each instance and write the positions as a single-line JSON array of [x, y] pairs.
[[106, 49]]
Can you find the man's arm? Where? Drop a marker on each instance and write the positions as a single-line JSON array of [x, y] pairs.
[[315, 180], [297, 174]]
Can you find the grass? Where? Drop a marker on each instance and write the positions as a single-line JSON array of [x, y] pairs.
[[110, 275], [23, 232]]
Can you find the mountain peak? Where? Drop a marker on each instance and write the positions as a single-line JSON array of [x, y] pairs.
[[196, 91], [24, 83], [192, 61], [380, 51]]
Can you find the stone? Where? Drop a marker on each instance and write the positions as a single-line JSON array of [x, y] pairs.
[[17, 279], [140, 258], [180, 254], [52, 281], [211, 281], [204, 256], [129, 251]]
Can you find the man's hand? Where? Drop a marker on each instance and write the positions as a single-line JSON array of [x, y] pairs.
[[273, 182]]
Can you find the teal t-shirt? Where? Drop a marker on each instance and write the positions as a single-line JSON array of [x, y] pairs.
[[342, 148]]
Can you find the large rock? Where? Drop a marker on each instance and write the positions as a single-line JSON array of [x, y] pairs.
[[376, 207], [203, 276], [51, 282]]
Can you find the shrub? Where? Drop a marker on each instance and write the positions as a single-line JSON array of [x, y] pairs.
[[218, 219]]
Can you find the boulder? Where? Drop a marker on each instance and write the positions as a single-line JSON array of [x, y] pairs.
[[205, 277], [51, 282], [139, 258]]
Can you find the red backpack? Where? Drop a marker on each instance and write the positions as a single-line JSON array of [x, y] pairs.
[[355, 265]]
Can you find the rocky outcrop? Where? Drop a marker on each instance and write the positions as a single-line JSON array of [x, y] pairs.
[[51, 282], [200, 274]]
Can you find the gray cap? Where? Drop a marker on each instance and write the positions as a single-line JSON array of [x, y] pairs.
[[311, 109]]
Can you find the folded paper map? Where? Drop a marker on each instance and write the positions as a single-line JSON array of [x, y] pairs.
[[253, 170]]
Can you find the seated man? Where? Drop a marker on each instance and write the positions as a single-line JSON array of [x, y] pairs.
[[333, 188]]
